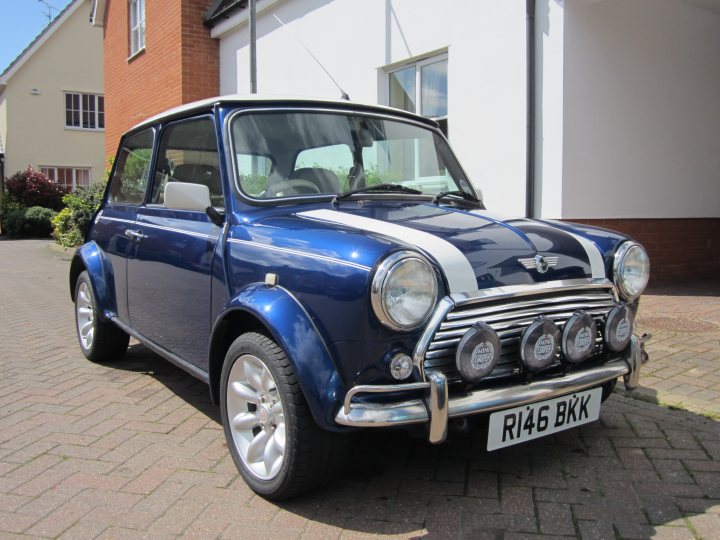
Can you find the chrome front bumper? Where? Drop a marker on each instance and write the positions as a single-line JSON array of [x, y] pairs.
[[437, 408]]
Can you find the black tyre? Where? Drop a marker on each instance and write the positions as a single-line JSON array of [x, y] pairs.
[[100, 341], [278, 448]]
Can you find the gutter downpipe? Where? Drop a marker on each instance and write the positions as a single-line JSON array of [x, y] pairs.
[[531, 98], [253, 48]]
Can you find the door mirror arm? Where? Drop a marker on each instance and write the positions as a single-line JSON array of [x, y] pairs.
[[215, 215]]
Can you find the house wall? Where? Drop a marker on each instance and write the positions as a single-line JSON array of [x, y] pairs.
[[34, 132], [642, 114], [641, 145], [179, 64], [484, 40]]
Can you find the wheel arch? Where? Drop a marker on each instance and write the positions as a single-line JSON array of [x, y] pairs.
[[89, 257], [276, 313]]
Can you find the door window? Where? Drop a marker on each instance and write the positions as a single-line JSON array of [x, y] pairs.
[[189, 153], [130, 178]]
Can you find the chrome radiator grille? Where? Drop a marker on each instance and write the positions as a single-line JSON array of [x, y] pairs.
[[509, 315]]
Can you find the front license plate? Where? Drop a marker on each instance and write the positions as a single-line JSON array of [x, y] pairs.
[[528, 422]]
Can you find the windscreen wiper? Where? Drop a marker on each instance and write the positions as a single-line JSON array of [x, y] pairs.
[[384, 188], [455, 193]]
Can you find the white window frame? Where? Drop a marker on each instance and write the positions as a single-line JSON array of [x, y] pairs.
[[136, 26], [51, 171], [418, 64], [96, 116]]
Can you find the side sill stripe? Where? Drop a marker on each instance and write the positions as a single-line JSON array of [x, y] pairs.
[[301, 254], [457, 269]]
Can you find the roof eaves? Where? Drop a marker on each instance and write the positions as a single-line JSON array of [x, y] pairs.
[[222, 9], [39, 40], [97, 13]]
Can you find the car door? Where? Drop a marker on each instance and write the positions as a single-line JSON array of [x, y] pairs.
[[116, 221], [170, 274]]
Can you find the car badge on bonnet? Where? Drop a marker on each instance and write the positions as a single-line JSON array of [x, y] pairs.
[[539, 263]]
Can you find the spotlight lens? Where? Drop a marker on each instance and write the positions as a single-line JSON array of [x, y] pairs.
[[401, 366], [478, 352], [540, 344], [618, 328], [578, 337]]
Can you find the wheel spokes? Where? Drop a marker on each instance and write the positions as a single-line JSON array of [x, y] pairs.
[[256, 448], [244, 392], [246, 421], [271, 454]]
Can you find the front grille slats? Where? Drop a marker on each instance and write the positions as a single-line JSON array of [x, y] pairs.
[[509, 317], [584, 300]]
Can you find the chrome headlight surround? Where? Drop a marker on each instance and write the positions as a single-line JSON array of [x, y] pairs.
[[385, 292], [629, 256]]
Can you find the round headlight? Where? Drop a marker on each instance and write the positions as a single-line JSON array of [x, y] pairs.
[[404, 291], [631, 270], [540, 344]]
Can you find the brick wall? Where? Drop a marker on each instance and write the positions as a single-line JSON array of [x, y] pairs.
[[677, 247], [180, 63]]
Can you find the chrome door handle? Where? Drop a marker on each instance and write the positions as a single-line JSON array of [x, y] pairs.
[[135, 235]]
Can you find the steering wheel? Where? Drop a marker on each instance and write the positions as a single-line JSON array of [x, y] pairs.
[[292, 187]]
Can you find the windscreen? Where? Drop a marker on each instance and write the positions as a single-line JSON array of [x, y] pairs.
[[295, 154]]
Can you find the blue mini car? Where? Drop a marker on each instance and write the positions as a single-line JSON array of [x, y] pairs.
[[327, 266]]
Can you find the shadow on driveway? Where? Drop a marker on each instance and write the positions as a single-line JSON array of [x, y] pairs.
[[642, 470]]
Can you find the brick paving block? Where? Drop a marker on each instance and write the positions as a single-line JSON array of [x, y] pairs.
[[707, 525], [83, 531], [178, 517], [14, 523], [709, 482], [517, 501], [595, 530], [660, 508], [672, 533], [555, 518], [148, 480]]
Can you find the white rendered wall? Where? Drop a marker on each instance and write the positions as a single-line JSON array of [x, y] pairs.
[[485, 42], [642, 110]]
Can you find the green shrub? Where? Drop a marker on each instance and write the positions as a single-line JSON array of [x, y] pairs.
[[71, 225], [32, 222], [7, 205]]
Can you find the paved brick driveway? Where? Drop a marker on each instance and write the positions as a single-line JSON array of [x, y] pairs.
[[135, 449]]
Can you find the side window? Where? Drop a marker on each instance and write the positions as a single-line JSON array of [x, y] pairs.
[[188, 153], [130, 179]]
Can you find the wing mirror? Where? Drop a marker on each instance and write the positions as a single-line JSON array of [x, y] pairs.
[[187, 196]]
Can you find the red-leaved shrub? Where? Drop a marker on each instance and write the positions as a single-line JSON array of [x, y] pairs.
[[33, 188]]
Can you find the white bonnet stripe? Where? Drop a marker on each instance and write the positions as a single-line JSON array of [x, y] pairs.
[[454, 264], [597, 264]]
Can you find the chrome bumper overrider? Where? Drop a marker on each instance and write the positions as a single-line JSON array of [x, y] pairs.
[[437, 408]]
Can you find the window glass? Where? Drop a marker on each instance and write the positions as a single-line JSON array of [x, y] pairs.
[[130, 178], [402, 89], [188, 153], [137, 26], [433, 79], [313, 162], [323, 153], [86, 111], [253, 172], [422, 87]]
